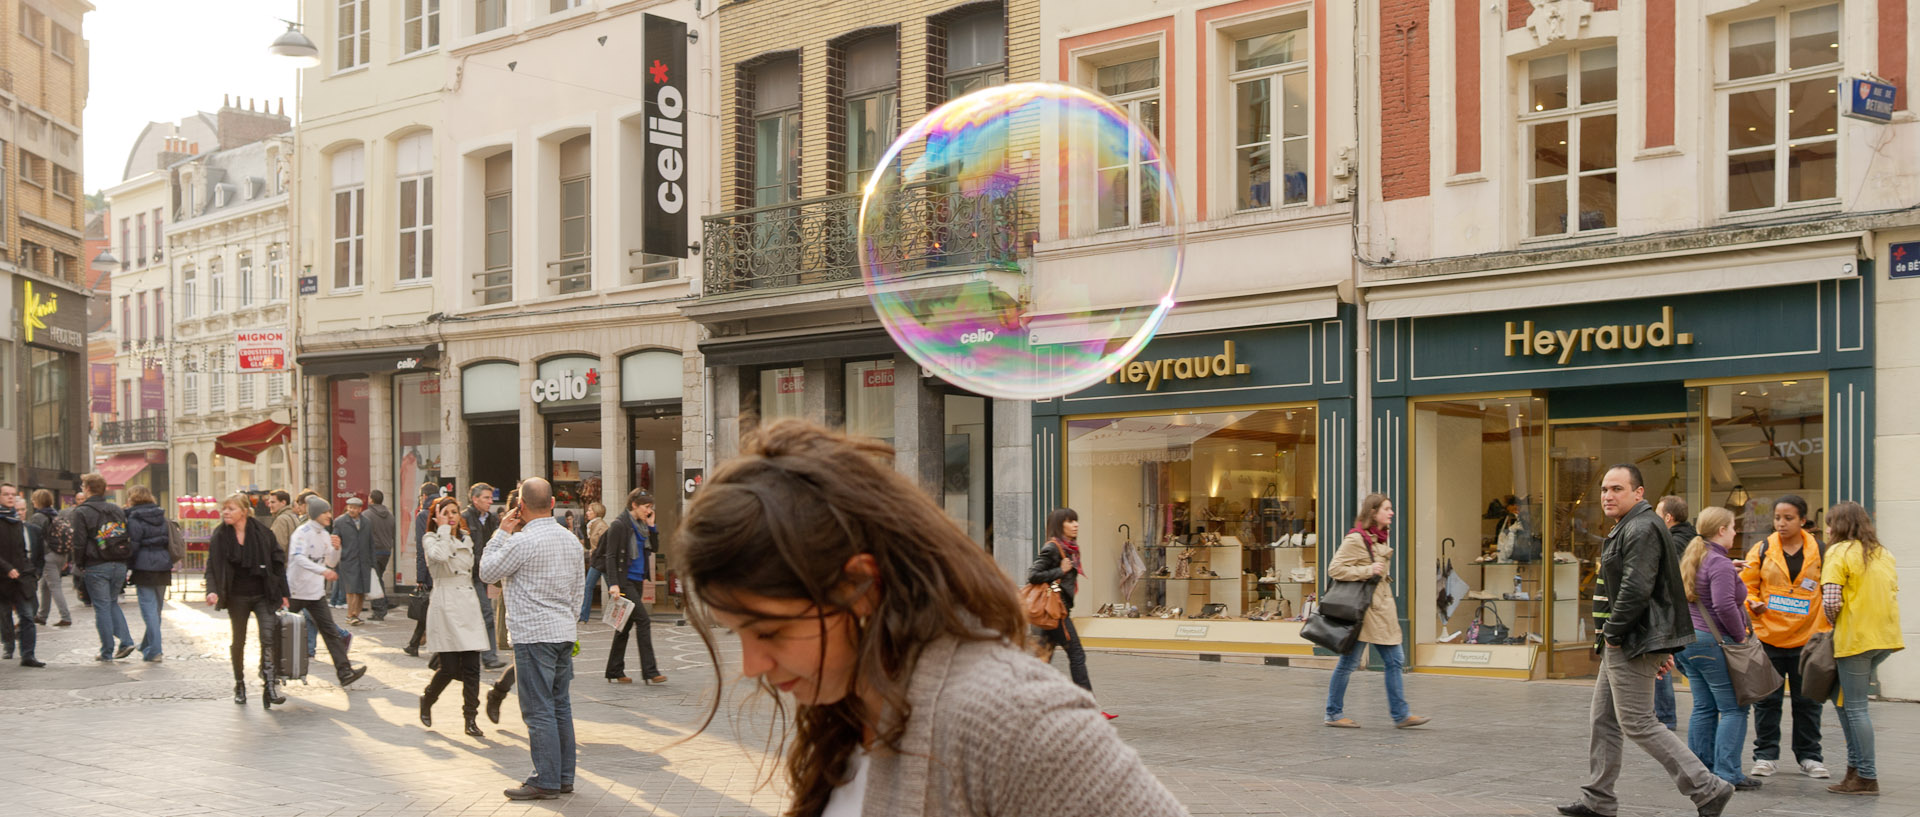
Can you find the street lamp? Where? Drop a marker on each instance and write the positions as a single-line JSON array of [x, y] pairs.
[[106, 257], [295, 46]]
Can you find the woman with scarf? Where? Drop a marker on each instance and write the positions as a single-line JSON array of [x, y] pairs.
[[1059, 561], [1363, 556], [247, 577]]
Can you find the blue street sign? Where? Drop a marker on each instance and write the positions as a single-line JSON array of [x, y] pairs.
[[1905, 260], [309, 284], [1867, 100]]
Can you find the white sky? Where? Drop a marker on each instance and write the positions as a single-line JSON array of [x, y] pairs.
[[161, 60]]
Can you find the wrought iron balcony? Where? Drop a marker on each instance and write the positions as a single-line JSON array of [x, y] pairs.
[[135, 431], [929, 227]]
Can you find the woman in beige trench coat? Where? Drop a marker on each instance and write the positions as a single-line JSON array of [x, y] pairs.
[[456, 633], [1365, 555]]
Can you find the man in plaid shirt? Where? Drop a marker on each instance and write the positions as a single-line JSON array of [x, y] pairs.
[[539, 563]]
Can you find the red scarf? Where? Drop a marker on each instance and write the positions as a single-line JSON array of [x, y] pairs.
[[1371, 536], [1070, 551]]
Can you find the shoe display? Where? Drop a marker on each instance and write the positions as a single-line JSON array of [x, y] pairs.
[[1815, 769], [1762, 768]]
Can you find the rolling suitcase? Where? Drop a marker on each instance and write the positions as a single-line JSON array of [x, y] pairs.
[[290, 648]]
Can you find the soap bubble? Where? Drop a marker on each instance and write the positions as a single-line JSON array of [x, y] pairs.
[[988, 265]]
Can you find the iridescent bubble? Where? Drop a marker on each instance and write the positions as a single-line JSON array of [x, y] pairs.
[[1012, 274]]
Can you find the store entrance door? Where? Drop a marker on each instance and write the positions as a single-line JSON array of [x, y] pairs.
[[1664, 447]]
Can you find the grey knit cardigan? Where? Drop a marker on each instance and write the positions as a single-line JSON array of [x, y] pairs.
[[995, 732]]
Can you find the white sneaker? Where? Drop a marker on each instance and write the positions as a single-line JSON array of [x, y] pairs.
[[1814, 769], [1762, 768]]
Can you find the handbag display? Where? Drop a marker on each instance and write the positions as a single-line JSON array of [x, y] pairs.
[[1747, 664], [1819, 670], [1042, 605], [1303, 575], [1481, 633], [1334, 634]]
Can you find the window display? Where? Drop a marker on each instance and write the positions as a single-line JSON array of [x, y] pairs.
[[1197, 515]]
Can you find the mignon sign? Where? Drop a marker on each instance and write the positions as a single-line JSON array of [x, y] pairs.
[[663, 228]]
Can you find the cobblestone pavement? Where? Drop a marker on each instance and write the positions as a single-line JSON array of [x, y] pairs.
[[132, 738]]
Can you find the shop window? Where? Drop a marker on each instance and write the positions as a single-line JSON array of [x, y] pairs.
[[349, 218], [783, 393], [573, 272], [6, 371], [1780, 93], [351, 437], [1271, 112], [1222, 507], [1571, 126], [486, 388], [651, 376], [1128, 175], [869, 395], [575, 466], [966, 468], [49, 431], [872, 106], [496, 277], [656, 463], [1477, 524], [416, 432], [415, 166], [421, 19], [1764, 440]]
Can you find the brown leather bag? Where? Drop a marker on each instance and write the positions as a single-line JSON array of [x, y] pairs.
[[1042, 604]]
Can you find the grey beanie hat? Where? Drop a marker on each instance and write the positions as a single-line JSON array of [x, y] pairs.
[[317, 506]]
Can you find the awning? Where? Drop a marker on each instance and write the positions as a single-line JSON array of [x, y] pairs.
[[424, 358], [247, 443], [121, 467]]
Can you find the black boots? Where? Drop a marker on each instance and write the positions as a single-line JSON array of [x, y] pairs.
[[494, 697], [270, 691], [473, 729], [240, 692], [426, 712]]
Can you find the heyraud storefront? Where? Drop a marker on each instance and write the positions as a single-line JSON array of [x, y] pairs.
[[1493, 430], [1222, 459]]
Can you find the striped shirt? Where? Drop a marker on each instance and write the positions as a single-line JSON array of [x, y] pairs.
[[540, 566]]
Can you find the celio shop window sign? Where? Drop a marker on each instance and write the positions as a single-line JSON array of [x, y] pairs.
[[1524, 339], [564, 386]]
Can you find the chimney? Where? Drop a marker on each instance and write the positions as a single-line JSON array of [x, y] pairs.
[[194, 149], [226, 100]]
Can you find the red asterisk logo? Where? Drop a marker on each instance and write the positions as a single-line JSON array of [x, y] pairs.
[[1899, 253], [593, 377], [659, 72]]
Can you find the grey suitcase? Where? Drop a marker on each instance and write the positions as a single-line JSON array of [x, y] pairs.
[[290, 648]]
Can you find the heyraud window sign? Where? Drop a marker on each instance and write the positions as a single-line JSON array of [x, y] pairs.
[[1524, 339], [1155, 372]]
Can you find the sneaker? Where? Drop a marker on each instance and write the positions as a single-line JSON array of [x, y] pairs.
[[1814, 769], [1763, 768], [1747, 784], [124, 651]]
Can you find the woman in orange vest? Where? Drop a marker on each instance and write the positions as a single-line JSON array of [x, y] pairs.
[[1783, 595]]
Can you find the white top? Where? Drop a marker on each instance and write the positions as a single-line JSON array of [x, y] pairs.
[[847, 800], [307, 555]]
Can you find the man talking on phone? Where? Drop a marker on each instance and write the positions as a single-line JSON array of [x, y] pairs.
[[539, 561], [630, 542]]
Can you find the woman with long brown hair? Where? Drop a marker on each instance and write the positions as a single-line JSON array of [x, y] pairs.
[[1718, 729], [455, 631], [1860, 590], [894, 639], [1364, 555], [247, 577]]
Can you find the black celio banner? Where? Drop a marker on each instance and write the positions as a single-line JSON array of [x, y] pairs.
[[663, 229]]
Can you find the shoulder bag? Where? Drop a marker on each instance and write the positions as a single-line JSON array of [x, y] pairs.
[[1483, 633], [1749, 668], [1819, 670], [1334, 634], [1349, 600], [1042, 605]]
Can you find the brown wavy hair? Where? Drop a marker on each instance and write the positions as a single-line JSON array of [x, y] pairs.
[[781, 521], [459, 520], [1848, 521]]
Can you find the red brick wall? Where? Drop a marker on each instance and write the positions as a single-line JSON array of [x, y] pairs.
[[1893, 49], [1519, 10], [1659, 74], [1466, 86], [1405, 105]]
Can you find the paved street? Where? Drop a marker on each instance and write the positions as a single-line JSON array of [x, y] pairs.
[[142, 739]]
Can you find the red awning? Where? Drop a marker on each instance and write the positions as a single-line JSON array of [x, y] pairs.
[[247, 443], [121, 467]]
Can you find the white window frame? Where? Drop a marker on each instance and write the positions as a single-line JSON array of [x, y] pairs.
[[1781, 81], [349, 176], [243, 272], [482, 291], [415, 163], [479, 7], [188, 291], [353, 35], [216, 387], [1277, 140], [1132, 102], [276, 276], [1572, 115], [565, 282], [190, 393], [245, 400], [216, 285], [420, 26]]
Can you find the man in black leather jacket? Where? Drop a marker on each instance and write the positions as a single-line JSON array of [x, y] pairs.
[[1641, 606]]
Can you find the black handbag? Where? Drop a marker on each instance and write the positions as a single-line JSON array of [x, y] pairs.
[[1333, 634], [1495, 633], [417, 605], [1348, 601]]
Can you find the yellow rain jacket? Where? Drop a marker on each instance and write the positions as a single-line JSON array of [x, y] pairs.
[[1793, 611]]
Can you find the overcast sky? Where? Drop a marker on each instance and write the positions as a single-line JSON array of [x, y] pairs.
[[161, 60]]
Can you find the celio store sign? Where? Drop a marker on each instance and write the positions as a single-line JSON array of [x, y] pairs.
[[565, 386]]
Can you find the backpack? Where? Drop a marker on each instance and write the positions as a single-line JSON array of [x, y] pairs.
[[110, 542], [176, 542]]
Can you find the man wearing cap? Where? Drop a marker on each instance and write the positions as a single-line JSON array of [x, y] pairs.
[[308, 555], [356, 557], [627, 548]]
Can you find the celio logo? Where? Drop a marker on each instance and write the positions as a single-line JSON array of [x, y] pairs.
[[564, 387], [668, 130], [1524, 341]]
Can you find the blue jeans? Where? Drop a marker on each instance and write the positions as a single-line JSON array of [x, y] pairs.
[[1663, 708], [313, 632], [1390, 655], [490, 655], [1856, 674], [586, 604], [104, 581], [546, 705], [339, 596], [150, 615], [1718, 729], [24, 632]]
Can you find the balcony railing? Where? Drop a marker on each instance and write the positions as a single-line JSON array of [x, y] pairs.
[[131, 432], [812, 241]]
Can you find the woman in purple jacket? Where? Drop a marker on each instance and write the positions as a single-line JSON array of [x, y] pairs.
[[1719, 726]]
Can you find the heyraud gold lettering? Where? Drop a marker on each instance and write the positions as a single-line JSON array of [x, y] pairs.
[[1181, 368], [1524, 340]]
